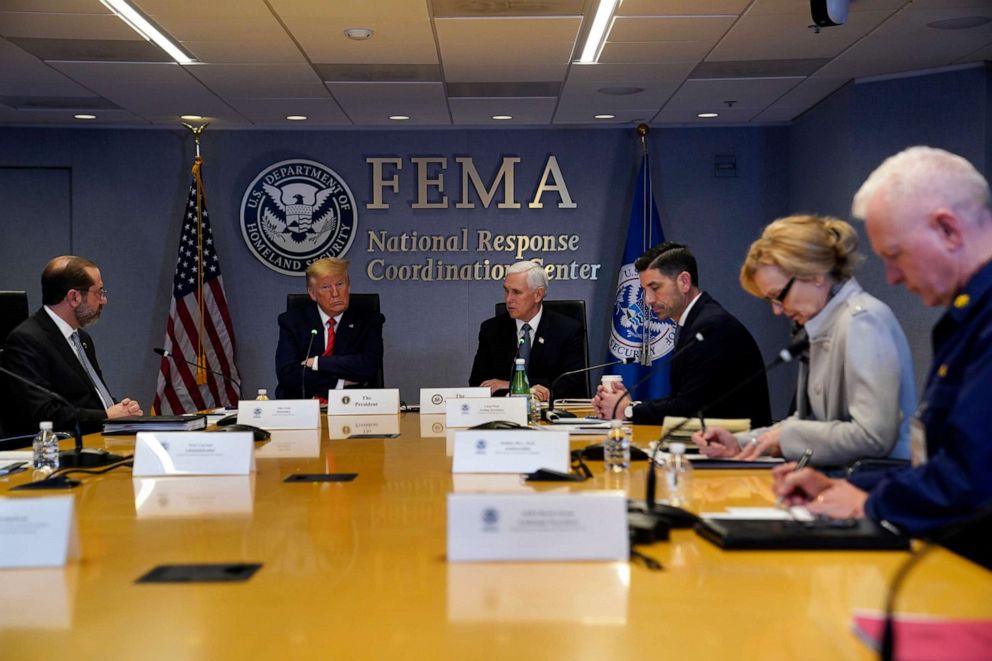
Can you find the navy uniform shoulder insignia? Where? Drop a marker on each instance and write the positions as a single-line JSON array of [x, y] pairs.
[[962, 301]]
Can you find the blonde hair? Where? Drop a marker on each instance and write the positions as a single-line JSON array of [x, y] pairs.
[[325, 267], [803, 246]]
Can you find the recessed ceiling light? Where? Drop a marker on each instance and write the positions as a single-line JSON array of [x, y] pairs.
[[708, 115], [605, 117], [296, 118], [191, 117], [85, 116], [501, 117], [959, 23], [621, 91], [399, 118], [359, 34]]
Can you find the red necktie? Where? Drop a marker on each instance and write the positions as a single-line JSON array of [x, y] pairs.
[[329, 347]]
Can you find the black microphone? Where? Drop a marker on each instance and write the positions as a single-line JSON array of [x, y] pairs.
[[77, 457], [168, 354], [698, 337], [786, 355], [303, 374], [551, 391], [513, 367]]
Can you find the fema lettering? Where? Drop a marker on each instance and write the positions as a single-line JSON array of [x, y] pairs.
[[295, 212]]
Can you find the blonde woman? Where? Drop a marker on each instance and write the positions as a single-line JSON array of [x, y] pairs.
[[858, 396]]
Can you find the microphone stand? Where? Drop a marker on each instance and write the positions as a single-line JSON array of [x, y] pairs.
[[77, 457], [168, 354], [554, 383], [303, 373]]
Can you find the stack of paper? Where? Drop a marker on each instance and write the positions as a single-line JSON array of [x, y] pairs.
[[137, 423]]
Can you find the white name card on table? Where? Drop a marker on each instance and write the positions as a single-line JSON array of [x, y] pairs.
[[357, 401], [589, 525], [159, 454], [369, 426], [37, 532], [432, 399], [510, 451], [280, 413], [469, 412]]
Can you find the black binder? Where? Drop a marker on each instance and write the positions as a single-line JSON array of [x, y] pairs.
[[819, 534]]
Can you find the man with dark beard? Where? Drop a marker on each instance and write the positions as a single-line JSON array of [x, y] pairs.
[[51, 349]]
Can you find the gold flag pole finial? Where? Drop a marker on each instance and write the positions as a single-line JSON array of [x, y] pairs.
[[196, 131], [643, 130]]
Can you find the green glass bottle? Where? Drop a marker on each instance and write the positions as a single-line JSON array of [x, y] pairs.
[[520, 387]]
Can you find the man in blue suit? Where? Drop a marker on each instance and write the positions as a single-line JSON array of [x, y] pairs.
[[928, 217], [326, 345]]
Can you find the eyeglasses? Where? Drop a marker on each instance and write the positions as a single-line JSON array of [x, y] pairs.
[[101, 292], [782, 295]]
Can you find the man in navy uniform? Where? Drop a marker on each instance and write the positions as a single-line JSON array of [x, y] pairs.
[[928, 217], [345, 344]]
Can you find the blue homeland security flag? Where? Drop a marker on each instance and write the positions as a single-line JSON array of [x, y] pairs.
[[636, 330]]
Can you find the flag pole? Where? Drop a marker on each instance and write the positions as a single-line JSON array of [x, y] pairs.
[[644, 358], [201, 356]]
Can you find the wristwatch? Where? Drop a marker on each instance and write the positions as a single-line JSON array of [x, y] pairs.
[[628, 411]]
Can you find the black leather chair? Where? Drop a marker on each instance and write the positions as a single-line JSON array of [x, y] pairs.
[[576, 309], [365, 302], [13, 310]]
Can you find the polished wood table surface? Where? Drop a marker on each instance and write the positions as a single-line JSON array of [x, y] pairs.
[[358, 570]]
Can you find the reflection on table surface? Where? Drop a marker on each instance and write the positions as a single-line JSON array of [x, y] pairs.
[[357, 570]]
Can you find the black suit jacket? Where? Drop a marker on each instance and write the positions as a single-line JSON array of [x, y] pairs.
[[557, 348], [707, 370], [357, 351], [37, 350]]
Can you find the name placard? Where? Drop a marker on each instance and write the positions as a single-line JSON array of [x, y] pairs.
[[280, 413], [475, 411], [37, 532], [579, 526], [351, 426], [498, 451], [432, 399], [357, 401], [180, 497], [159, 454]]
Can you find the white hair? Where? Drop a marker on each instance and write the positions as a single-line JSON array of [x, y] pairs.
[[926, 176], [536, 277]]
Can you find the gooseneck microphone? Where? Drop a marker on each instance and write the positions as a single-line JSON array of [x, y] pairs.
[[698, 337], [76, 457], [551, 400], [168, 354], [786, 355], [303, 373]]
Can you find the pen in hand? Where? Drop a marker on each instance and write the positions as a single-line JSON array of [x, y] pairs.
[[801, 464]]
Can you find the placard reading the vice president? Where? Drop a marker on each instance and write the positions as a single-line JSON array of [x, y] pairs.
[[280, 413], [470, 412], [362, 401], [579, 526], [509, 451], [37, 532], [432, 399], [193, 453]]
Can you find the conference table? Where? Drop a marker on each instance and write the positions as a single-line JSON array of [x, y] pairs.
[[358, 570]]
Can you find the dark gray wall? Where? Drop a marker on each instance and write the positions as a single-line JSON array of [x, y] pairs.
[[116, 196], [836, 145]]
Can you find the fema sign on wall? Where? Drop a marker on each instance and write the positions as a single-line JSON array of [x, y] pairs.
[[295, 212]]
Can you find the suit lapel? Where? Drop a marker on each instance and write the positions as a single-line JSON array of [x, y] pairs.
[[61, 346], [686, 332], [542, 334]]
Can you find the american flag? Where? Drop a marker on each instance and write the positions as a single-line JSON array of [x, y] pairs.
[[199, 328]]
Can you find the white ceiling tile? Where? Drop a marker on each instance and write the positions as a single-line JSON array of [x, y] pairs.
[[801, 7], [361, 14], [583, 115], [681, 7], [654, 51], [234, 52], [396, 41], [273, 112], [588, 95], [373, 103], [256, 31], [621, 73], [810, 92], [64, 26], [481, 111], [508, 40], [205, 9], [688, 116], [678, 28], [261, 81], [472, 72], [22, 74], [713, 95]]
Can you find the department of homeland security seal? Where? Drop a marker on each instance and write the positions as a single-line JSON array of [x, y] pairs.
[[295, 212], [629, 314]]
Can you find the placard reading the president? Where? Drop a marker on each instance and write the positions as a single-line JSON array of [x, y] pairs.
[[580, 526], [364, 401], [471, 412], [280, 413], [37, 532], [510, 451], [193, 453], [432, 400]]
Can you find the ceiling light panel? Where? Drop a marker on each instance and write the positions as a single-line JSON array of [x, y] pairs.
[[508, 41]]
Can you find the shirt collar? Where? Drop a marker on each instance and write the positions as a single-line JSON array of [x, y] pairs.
[[821, 320], [533, 322], [62, 324], [976, 289], [688, 308], [324, 317]]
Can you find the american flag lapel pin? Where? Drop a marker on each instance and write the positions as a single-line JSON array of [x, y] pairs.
[[540, 340]]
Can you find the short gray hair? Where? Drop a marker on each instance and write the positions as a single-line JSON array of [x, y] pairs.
[[926, 175], [536, 277]]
